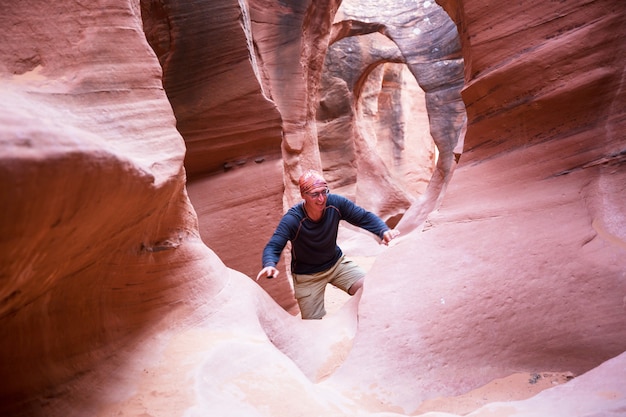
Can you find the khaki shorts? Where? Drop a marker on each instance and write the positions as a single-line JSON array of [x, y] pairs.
[[309, 289]]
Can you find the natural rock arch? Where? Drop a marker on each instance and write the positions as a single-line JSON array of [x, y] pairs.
[[427, 42]]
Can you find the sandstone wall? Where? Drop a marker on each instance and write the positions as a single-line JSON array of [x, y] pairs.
[[99, 240], [244, 164], [112, 301], [522, 267]]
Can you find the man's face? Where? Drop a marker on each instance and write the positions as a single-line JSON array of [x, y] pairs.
[[316, 197]]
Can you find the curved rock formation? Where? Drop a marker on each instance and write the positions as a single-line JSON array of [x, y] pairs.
[[99, 240], [425, 39], [111, 304], [523, 265]]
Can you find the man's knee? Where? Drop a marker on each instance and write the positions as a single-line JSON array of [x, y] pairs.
[[356, 286]]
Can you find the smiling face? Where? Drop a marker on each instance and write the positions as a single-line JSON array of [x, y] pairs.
[[314, 190], [315, 202]]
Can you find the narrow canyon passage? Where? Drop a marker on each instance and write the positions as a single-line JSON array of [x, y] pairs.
[[148, 149]]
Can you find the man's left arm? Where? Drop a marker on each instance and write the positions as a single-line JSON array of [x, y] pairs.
[[367, 220]]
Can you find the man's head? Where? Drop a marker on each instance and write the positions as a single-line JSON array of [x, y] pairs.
[[312, 181], [314, 190]]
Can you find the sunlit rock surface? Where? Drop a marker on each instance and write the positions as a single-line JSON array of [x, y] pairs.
[[116, 300]]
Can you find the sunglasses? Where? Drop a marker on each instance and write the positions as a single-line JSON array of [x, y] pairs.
[[319, 193]]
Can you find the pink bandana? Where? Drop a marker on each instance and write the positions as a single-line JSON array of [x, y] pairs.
[[310, 180]]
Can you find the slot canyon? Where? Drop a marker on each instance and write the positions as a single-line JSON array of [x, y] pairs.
[[149, 148]]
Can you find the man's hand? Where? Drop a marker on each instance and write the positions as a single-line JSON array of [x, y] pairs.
[[389, 235], [269, 272]]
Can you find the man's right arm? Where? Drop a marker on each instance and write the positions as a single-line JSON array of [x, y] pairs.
[[274, 248]]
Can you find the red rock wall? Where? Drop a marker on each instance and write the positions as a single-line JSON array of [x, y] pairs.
[[111, 304], [99, 238], [223, 102], [235, 160], [220, 105], [376, 123], [522, 267]]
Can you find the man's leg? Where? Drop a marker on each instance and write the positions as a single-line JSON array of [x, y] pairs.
[[309, 291], [356, 286], [348, 276]]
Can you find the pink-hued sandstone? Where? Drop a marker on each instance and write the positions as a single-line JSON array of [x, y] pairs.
[[148, 148]]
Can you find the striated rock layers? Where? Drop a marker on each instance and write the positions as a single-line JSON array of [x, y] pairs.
[[276, 61], [113, 301], [99, 240]]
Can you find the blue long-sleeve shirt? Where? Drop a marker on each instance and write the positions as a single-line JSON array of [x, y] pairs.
[[314, 244]]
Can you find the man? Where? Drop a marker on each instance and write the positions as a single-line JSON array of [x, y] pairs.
[[316, 260]]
